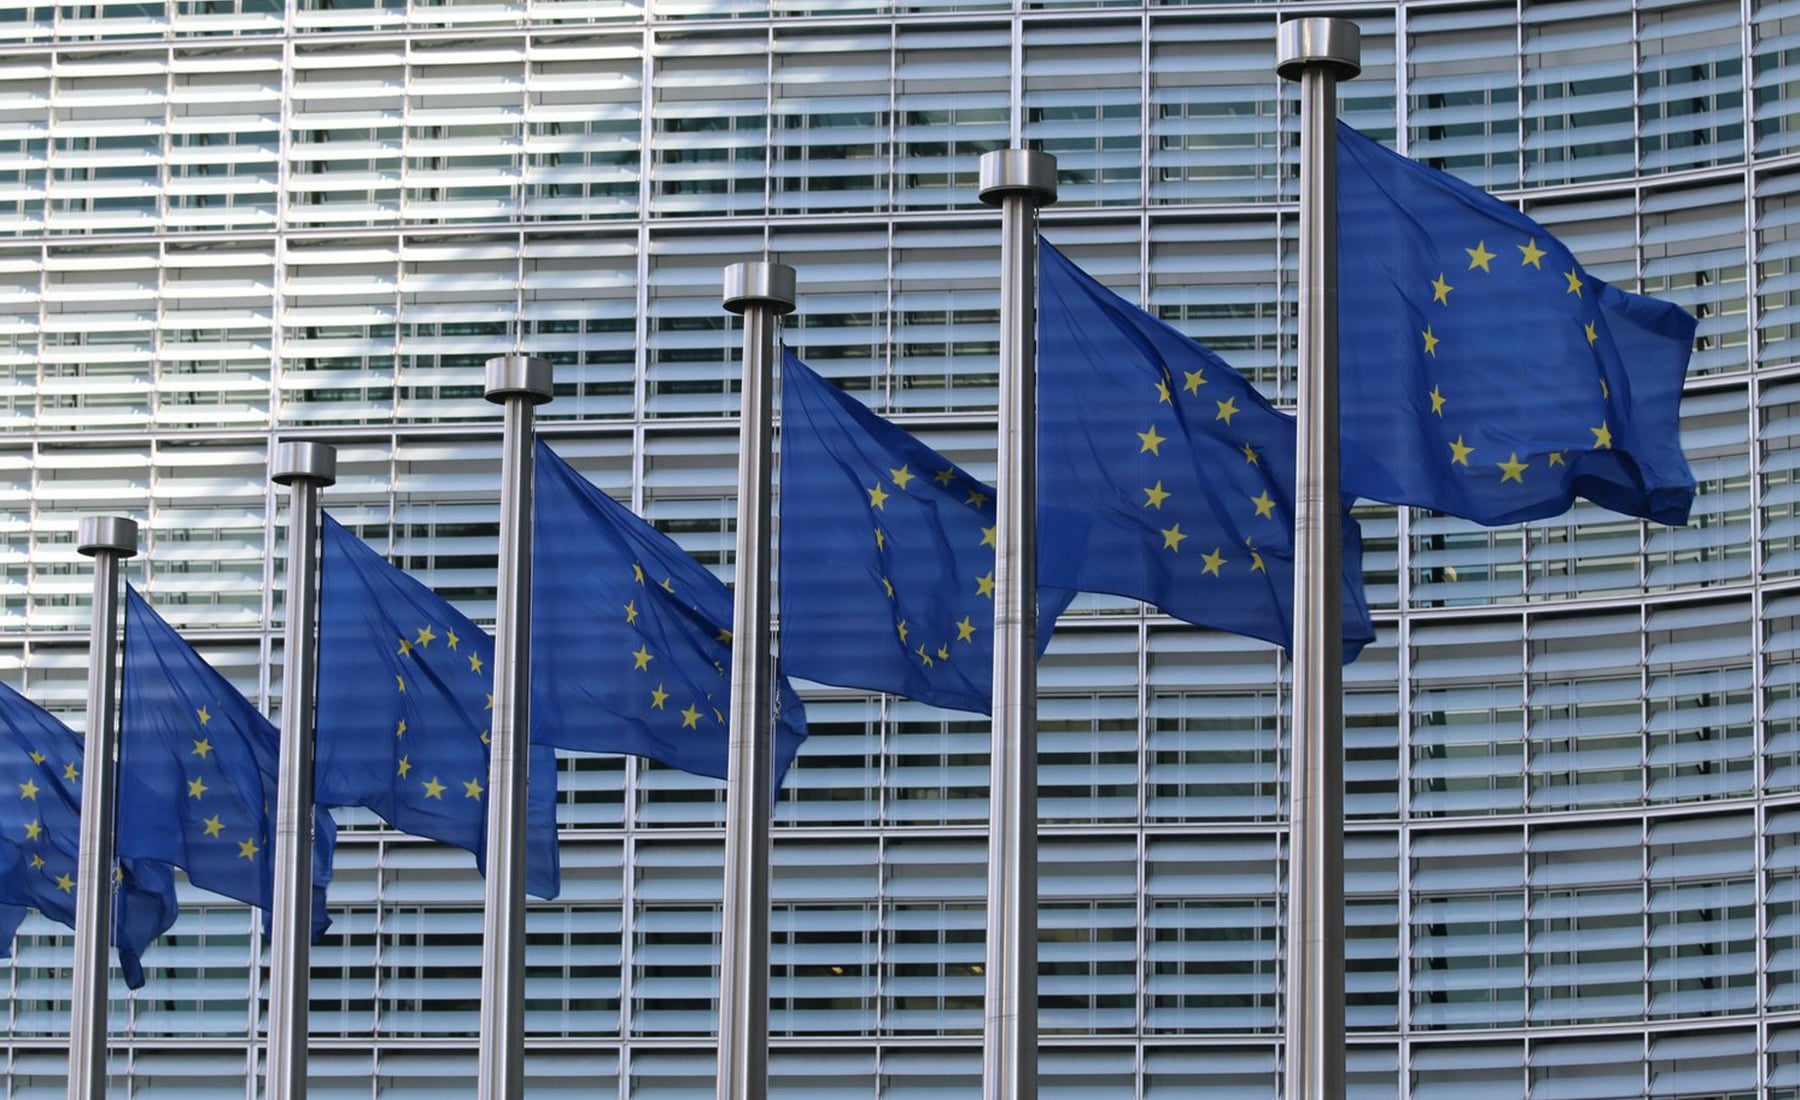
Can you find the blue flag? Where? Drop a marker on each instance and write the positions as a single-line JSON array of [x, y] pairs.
[[40, 834], [887, 555], [1164, 475], [1483, 373], [197, 771], [405, 694], [630, 637]]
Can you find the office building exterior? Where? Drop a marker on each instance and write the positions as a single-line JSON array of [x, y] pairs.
[[1573, 753]]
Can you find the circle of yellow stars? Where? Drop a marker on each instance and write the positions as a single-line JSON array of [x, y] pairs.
[[951, 481], [1212, 562], [415, 647]]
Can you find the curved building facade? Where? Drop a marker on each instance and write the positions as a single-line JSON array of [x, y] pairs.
[[1573, 753]]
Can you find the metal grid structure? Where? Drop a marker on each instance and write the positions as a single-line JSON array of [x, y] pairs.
[[1574, 751]]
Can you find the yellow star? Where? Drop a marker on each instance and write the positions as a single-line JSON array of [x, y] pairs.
[[718, 715], [901, 627], [425, 636], [247, 849], [1250, 455], [1512, 469], [37, 862], [1431, 342], [641, 658], [990, 537], [943, 653], [1602, 436], [201, 748], [668, 585], [472, 788], [1172, 537], [1557, 457], [434, 789], [33, 829], [196, 788], [1605, 390], [451, 639], [214, 826], [403, 766], [1437, 401], [1155, 495], [1440, 290], [474, 662], [945, 476], [631, 612], [36, 757], [878, 498], [690, 718], [1162, 393], [658, 697], [28, 789], [924, 657], [888, 587], [880, 539], [1479, 257], [984, 585], [405, 647], [1212, 561], [490, 701], [1265, 504], [1151, 441], [965, 631], [1459, 454], [65, 884], [977, 499], [400, 683], [902, 477], [1532, 254], [400, 728], [485, 739], [1227, 409], [1575, 283], [1195, 379], [71, 773], [1588, 328], [637, 572], [203, 716]]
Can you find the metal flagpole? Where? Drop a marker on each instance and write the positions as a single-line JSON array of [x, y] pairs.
[[1018, 181], [305, 468], [760, 292], [108, 540], [1318, 53], [520, 383]]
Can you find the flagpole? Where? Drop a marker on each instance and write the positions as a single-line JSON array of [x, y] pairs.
[[761, 292], [108, 540], [306, 468], [1018, 181], [1317, 52], [520, 383]]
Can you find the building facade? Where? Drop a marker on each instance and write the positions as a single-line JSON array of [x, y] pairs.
[[1573, 753]]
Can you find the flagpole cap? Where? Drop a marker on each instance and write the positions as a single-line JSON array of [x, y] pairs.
[[759, 283], [304, 462], [524, 376], [107, 535], [1011, 171], [1301, 44]]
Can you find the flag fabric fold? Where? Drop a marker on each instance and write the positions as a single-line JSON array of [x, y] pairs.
[[887, 555], [1164, 476], [1483, 372], [405, 695], [197, 771], [40, 835], [631, 637]]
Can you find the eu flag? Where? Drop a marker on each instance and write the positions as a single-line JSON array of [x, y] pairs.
[[1483, 372], [630, 637], [405, 689], [40, 811], [887, 555], [197, 771], [1164, 476]]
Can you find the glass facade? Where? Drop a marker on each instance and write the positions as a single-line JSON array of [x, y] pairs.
[[1573, 753]]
